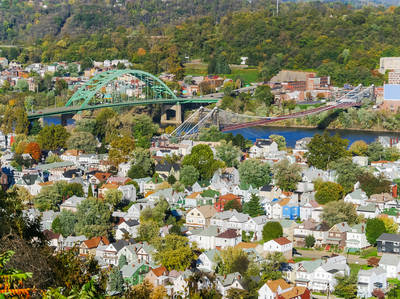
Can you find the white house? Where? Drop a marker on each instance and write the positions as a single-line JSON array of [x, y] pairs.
[[127, 227], [282, 245], [206, 260], [72, 203], [369, 280], [357, 197], [281, 289], [128, 192], [263, 147], [355, 238], [318, 275], [204, 238], [391, 264], [229, 238], [229, 281]]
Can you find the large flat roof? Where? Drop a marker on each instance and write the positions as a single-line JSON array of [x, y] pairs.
[[391, 92]]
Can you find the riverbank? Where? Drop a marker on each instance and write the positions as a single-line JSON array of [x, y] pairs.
[[276, 125]]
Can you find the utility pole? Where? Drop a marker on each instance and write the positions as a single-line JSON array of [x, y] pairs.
[[277, 7]]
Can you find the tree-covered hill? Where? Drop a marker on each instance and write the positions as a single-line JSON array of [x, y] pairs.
[[331, 38]]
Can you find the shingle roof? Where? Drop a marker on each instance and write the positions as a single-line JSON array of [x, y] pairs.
[[94, 242], [159, 271], [389, 237], [229, 278], [282, 241], [208, 211], [274, 284], [390, 259], [228, 234]]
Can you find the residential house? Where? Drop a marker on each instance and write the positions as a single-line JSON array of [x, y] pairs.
[[229, 238], [88, 247], [319, 275], [383, 200], [47, 219], [127, 228], [206, 260], [71, 241], [137, 253], [53, 239], [204, 238], [166, 169], [391, 264], [370, 280], [337, 234], [357, 197], [134, 274], [136, 209], [224, 199], [280, 289], [230, 219], [229, 281], [103, 189], [157, 276], [200, 216], [110, 256], [388, 243], [368, 211], [355, 238], [291, 210], [70, 155], [306, 210], [263, 147], [282, 245], [128, 192], [72, 203]]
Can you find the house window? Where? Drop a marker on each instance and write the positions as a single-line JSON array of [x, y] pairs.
[[383, 248], [395, 250], [396, 243]]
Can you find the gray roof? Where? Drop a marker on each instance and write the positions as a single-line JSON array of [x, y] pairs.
[[212, 230], [73, 201], [211, 254], [370, 208], [129, 270], [55, 165], [390, 259], [310, 266], [389, 237], [369, 272], [229, 278]]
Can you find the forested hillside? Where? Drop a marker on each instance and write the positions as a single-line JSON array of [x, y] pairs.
[[331, 38]]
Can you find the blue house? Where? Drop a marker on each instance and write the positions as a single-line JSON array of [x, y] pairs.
[[291, 211]]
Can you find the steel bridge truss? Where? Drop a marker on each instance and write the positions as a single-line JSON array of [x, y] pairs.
[[228, 121], [86, 94]]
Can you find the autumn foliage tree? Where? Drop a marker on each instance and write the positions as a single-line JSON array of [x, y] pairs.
[[34, 150]]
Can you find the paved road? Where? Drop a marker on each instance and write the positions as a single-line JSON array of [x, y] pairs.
[[351, 259]]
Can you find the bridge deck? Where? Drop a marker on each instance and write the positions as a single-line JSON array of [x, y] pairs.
[[75, 109]]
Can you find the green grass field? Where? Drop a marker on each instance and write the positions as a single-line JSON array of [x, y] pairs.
[[248, 75]]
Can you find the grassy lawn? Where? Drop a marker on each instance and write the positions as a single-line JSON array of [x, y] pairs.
[[365, 254], [355, 268], [249, 75], [301, 259]]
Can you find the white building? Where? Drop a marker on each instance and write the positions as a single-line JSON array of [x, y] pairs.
[[369, 280], [355, 238], [282, 245], [391, 264]]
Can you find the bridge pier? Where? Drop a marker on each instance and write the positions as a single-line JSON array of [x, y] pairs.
[[171, 114]]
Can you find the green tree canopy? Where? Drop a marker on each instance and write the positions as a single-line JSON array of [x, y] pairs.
[[263, 94], [358, 148], [202, 158], [142, 164], [228, 153], [346, 173], [93, 218], [287, 175], [372, 184], [328, 191], [83, 141], [253, 207], [65, 223], [339, 211], [174, 252], [189, 175], [375, 227], [280, 141], [255, 173], [231, 260], [325, 148], [272, 230], [52, 137]]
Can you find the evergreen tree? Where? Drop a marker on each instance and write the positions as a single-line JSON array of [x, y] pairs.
[[116, 281], [122, 261], [253, 207], [90, 191]]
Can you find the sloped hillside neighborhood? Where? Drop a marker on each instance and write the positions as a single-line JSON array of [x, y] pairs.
[[264, 221]]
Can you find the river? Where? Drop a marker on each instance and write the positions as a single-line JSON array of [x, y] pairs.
[[293, 134]]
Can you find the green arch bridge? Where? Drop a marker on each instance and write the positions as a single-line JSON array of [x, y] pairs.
[[91, 96]]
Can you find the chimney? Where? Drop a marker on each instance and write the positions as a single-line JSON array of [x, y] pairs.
[[343, 224]]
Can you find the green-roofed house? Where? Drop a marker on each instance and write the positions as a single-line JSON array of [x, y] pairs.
[[134, 274]]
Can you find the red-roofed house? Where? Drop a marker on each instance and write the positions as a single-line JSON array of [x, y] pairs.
[[229, 238], [282, 245], [280, 289], [157, 276], [224, 199], [89, 246]]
